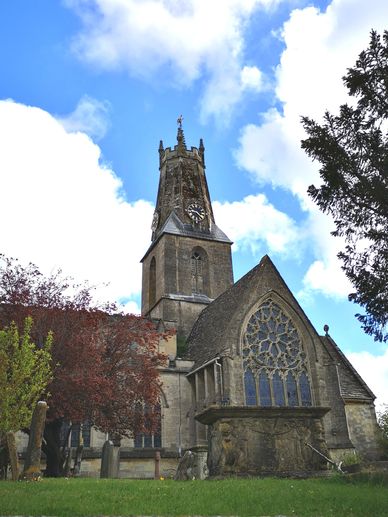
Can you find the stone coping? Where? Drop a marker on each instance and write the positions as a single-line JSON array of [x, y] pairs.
[[214, 413]]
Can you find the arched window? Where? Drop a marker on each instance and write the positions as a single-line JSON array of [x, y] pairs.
[[199, 271], [275, 365], [152, 283], [150, 438], [196, 272]]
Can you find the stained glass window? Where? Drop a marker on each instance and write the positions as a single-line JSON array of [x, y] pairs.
[[305, 392], [264, 390], [250, 388], [150, 439], [292, 392], [273, 354], [278, 390]]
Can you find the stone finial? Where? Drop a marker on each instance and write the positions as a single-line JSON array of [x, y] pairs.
[[201, 151], [326, 329], [161, 152], [181, 140]]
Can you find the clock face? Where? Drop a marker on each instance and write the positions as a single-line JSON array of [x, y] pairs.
[[196, 212], [155, 221]]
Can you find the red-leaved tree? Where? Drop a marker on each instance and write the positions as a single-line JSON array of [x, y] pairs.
[[105, 363]]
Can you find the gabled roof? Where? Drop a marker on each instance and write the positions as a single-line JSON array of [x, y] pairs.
[[352, 386], [174, 226]]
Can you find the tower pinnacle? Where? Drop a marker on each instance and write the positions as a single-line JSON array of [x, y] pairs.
[[180, 136]]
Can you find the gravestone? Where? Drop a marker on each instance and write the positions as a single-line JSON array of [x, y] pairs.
[[192, 465], [110, 460]]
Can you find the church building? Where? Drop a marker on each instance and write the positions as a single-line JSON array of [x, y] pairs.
[[257, 390], [249, 384]]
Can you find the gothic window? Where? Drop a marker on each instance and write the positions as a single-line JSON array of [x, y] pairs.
[[199, 271], [152, 283], [151, 438], [275, 365]]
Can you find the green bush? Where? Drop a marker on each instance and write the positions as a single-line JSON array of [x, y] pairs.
[[382, 420]]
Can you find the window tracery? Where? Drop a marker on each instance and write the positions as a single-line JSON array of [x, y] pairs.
[[275, 365]]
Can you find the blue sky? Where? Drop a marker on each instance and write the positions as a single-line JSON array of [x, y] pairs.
[[89, 87]]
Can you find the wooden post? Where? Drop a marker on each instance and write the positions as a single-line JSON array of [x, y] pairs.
[[157, 464]]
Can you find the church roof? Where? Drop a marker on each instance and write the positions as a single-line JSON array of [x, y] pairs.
[[174, 226], [352, 386]]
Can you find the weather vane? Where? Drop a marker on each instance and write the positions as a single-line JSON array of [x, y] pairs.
[[179, 121]]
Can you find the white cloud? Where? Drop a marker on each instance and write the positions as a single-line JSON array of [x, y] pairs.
[[90, 116], [192, 38], [319, 47], [252, 222], [62, 207], [251, 78], [131, 307], [374, 370]]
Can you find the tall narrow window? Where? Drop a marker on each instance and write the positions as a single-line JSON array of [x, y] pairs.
[[278, 390], [152, 284], [250, 388], [196, 272], [292, 392], [264, 390], [305, 393], [199, 271]]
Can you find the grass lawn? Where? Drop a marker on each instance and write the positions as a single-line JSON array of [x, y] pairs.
[[340, 496]]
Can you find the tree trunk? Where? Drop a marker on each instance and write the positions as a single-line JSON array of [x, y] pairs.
[[34, 450], [4, 457], [52, 449], [13, 455]]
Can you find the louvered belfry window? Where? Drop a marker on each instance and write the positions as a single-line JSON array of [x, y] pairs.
[[197, 272], [275, 365]]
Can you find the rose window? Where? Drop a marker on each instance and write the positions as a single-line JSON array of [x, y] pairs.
[[275, 366]]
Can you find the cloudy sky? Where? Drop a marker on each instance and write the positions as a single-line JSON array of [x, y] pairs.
[[89, 87]]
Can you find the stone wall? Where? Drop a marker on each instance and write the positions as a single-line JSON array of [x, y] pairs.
[[363, 429], [261, 441]]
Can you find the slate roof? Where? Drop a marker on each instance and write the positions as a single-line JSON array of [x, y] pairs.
[[352, 386], [174, 226]]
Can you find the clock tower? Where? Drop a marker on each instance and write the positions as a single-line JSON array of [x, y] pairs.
[[188, 263]]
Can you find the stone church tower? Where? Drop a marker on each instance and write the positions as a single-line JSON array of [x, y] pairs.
[[189, 262]]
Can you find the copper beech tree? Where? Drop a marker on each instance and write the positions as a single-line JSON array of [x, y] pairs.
[[105, 363]]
